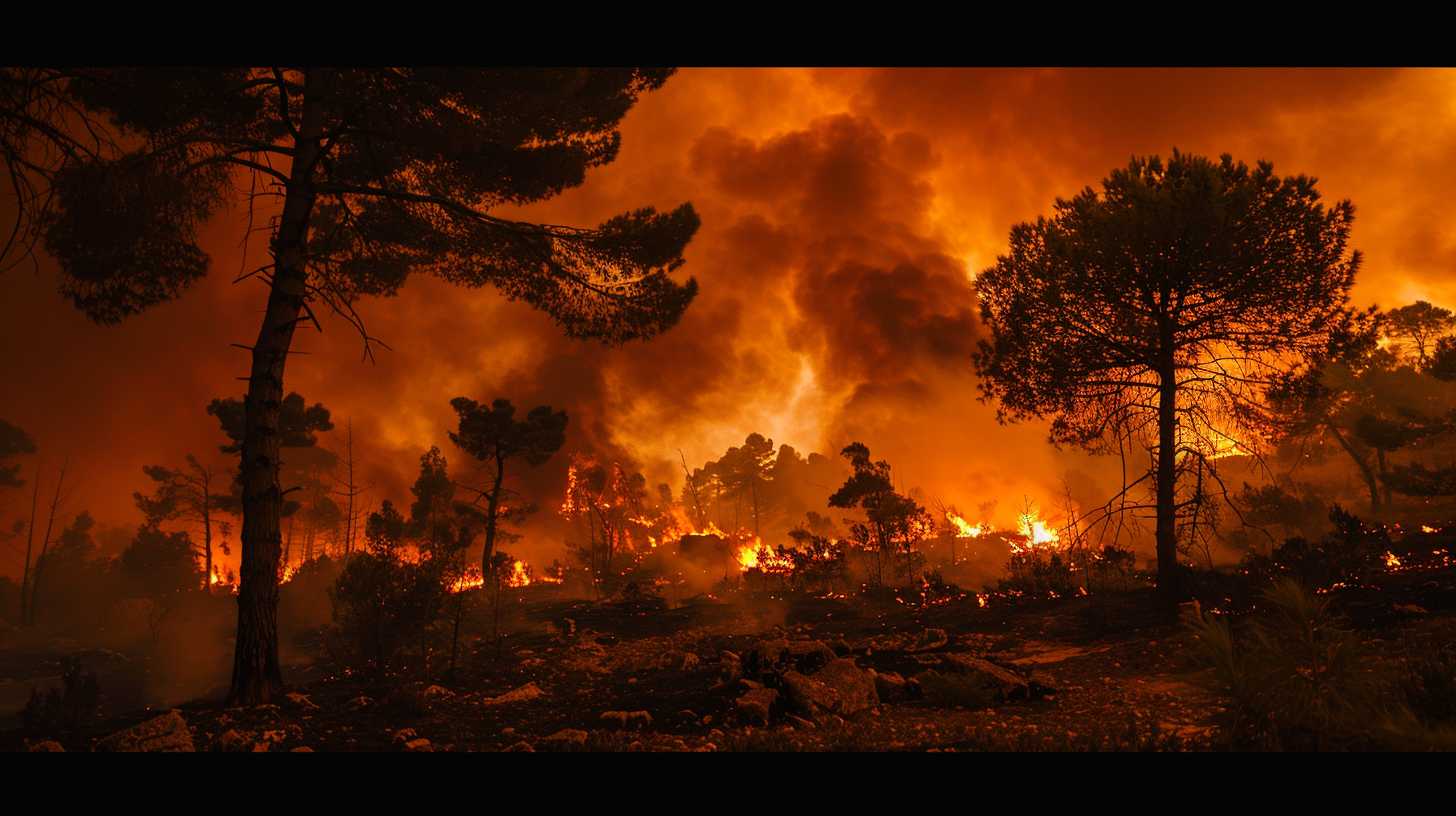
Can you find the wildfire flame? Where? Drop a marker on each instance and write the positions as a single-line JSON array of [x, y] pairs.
[[1036, 532], [762, 558], [964, 529], [520, 575]]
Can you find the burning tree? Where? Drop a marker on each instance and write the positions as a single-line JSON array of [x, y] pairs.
[[1155, 313], [184, 495], [608, 499], [493, 435], [379, 172], [893, 523]]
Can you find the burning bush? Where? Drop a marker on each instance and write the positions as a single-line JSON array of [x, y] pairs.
[[1353, 550]]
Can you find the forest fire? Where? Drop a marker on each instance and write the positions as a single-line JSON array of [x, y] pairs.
[[685, 382]]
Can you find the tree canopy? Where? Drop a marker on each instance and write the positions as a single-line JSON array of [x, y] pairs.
[[1155, 311]]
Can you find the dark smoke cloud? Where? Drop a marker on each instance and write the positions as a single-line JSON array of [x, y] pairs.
[[844, 212]]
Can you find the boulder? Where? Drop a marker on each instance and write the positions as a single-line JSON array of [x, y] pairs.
[[520, 746], [403, 736], [690, 662], [302, 749], [167, 733], [437, 693], [418, 746], [47, 747], [566, 739], [524, 694], [731, 666], [300, 701], [1004, 683], [754, 706], [891, 686], [840, 687], [773, 656], [232, 741]]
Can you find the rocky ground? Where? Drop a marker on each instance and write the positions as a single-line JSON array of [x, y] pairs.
[[764, 673]]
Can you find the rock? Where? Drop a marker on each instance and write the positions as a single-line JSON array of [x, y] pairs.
[[745, 684], [519, 747], [403, 736], [1041, 684], [1006, 685], [624, 720], [754, 706], [773, 656], [891, 686], [801, 723], [566, 739], [167, 733], [270, 738], [302, 749], [564, 627], [232, 741], [300, 701], [840, 687], [930, 639], [731, 666], [47, 747], [690, 662], [418, 746], [437, 693], [524, 694]]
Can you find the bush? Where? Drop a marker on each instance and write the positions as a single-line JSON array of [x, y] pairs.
[[383, 606], [63, 711], [1297, 680], [1038, 574], [1353, 550]]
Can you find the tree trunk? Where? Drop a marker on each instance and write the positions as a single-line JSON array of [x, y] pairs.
[[1167, 524], [29, 539], [1361, 463], [753, 489], [492, 507], [45, 545], [207, 531], [256, 675], [1380, 461]]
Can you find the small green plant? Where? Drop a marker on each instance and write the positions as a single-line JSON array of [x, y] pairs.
[[1296, 679]]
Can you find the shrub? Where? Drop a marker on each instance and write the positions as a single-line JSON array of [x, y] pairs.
[[1297, 680], [384, 605], [64, 711]]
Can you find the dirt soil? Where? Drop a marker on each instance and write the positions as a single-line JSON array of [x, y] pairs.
[[1118, 666]]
